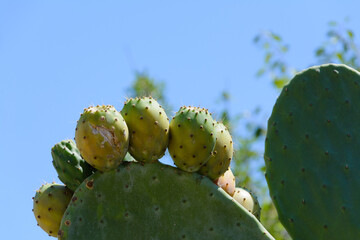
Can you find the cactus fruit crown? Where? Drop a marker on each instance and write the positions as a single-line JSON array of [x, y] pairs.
[[312, 154], [102, 137], [148, 128], [192, 138]]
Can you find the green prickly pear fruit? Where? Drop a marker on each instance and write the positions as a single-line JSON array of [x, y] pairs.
[[148, 128], [227, 182], [248, 200], [102, 137], [192, 138], [155, 201], [50, 203], [219, 161], [70, 166]]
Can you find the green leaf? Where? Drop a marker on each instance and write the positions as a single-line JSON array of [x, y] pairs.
[[268, 57], [284, 49], [350, 34], [340, 57], [320, 51], [276, 37], [260, 72], [280, 82]]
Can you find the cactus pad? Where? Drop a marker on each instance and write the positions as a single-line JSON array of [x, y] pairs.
[[102, 137], [148, 128], [70, 166], [192, 138], [155, 201], [312, 154]]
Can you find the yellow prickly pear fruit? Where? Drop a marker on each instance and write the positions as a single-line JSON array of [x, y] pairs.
[[50, 203], [102, 137]]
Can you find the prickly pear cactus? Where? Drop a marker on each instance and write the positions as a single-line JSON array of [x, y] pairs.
[[227, 182], [312, 154], [192, 138], [102, 137], [70, 166], [220, 160], [248, 200], [155, 201], [148, 128], [50, 203]]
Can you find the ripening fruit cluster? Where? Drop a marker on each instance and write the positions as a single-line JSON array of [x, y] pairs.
[[140, 132]]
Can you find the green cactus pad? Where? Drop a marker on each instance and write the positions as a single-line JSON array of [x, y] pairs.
[[102, 137], [148, 128], [312, 154], [50, 203], [70, 166], [192, 138], [155, 201], [220, 160]]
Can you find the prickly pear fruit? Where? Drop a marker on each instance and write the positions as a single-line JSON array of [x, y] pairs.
[[192, 138], [312, 154], [155, 201], [70, 166], [227, 182], [248, 200], [102, 137], [219, 161], [50, 203], [148, 128]]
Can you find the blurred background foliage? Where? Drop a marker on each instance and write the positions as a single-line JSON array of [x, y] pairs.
[[248, 128]]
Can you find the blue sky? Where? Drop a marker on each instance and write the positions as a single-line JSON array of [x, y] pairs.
[[58, 57]]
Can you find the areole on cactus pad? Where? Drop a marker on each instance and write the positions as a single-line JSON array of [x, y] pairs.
[[312, 154]]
